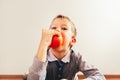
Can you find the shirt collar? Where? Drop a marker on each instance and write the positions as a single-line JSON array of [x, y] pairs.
[[65, 59]]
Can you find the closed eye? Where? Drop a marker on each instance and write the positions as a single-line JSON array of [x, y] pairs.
[[53, 27], [64, 28]]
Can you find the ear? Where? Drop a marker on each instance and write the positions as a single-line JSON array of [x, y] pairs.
[[73, 41]]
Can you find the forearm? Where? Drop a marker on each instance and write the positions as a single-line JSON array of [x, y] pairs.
[[37, 71], [42, 51], [96, 76], [90, 72]]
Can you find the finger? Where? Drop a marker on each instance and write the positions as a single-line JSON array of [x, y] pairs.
[[55, 32]]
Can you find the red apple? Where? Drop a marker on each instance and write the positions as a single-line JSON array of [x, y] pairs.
[[56, 41]]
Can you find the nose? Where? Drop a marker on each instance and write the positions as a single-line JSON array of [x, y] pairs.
[[58, 29]]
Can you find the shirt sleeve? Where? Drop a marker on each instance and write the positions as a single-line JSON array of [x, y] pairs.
[[38, 70], [90, 72]]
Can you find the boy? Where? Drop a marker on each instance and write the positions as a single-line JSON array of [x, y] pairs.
[[61, 62]]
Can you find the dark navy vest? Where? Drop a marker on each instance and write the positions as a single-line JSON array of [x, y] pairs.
[[57, 70]]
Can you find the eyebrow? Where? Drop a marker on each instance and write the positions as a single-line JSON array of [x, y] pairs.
[[55, 25]]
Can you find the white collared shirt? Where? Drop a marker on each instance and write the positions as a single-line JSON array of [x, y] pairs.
[[65, 59]]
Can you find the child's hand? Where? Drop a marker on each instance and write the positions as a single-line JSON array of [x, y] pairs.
[[47, 36], [46, 39]]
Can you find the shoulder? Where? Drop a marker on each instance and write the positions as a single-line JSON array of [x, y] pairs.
[[76, 54]]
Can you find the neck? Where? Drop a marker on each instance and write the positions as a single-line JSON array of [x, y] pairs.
[[59, 54]]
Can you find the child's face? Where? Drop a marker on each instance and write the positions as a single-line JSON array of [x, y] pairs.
[[65, 28]]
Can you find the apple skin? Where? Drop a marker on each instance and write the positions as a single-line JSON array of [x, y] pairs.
[[56, 41]]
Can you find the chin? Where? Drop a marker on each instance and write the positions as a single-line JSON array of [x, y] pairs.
[[58, 49]]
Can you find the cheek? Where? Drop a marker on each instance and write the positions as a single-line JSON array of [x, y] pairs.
[[66, 38]]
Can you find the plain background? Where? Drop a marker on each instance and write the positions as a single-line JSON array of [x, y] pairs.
[[97, 23]]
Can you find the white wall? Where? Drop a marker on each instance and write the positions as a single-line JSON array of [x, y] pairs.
[[97, 22]]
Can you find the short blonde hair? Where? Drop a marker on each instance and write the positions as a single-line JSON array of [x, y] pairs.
[[73, 25]]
